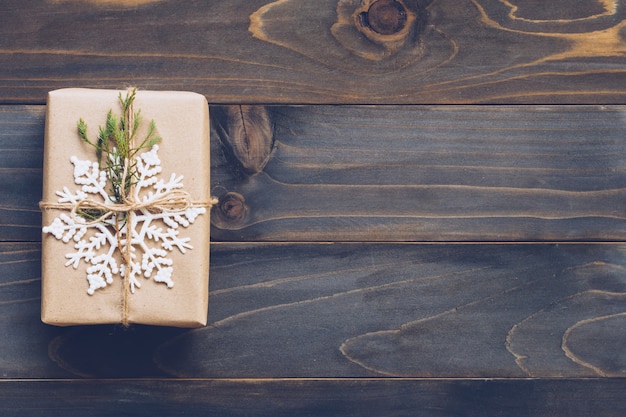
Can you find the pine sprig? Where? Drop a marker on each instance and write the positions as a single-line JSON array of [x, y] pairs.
[[116, 146]]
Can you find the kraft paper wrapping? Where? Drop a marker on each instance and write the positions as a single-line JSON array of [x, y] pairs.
[[182, 121]]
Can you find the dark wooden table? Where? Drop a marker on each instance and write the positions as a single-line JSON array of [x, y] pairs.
[[422, 207]]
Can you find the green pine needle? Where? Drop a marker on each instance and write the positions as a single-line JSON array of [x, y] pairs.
[[116, 144]]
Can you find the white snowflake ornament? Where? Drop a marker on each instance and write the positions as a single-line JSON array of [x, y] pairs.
[[144, 238]]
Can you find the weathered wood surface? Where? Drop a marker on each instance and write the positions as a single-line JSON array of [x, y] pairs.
[[21, 162], [433, 174], [327, 51], [269, 318], [351, 310], [378, 173], [328, 329], [324, 397], [355, 328]]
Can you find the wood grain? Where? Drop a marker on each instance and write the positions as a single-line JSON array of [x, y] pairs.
[[247, 133], [330, 51], [416, 173], [376, 325], [378, 173], [21, 163], [25, 340], [284, 309], [322, 397], [348, 311], [408, 311]]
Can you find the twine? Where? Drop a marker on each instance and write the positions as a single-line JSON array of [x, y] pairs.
[[172, 201]]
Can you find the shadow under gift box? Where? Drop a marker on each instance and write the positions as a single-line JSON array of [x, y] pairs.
[[182, 122]]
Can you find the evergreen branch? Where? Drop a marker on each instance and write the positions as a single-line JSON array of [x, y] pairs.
[[115, 146]]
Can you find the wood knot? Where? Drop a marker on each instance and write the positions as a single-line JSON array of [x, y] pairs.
[[247, 132], [378, 29], [386, 17], [231, 208], [369, 37]]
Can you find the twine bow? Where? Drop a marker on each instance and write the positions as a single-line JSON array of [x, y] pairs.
[[172, 201]]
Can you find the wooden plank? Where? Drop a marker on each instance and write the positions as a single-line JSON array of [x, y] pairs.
[[21, 162], [431, 173], [350, 310], [345, 398], [25, 339], [411, 173], [285, 51]]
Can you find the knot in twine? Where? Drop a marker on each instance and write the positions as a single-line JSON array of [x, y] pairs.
[[171, 201]]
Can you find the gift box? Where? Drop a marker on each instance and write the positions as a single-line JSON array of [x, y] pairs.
[[96, 194]]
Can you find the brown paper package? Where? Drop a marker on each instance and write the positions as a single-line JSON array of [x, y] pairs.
[[182, 121]]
